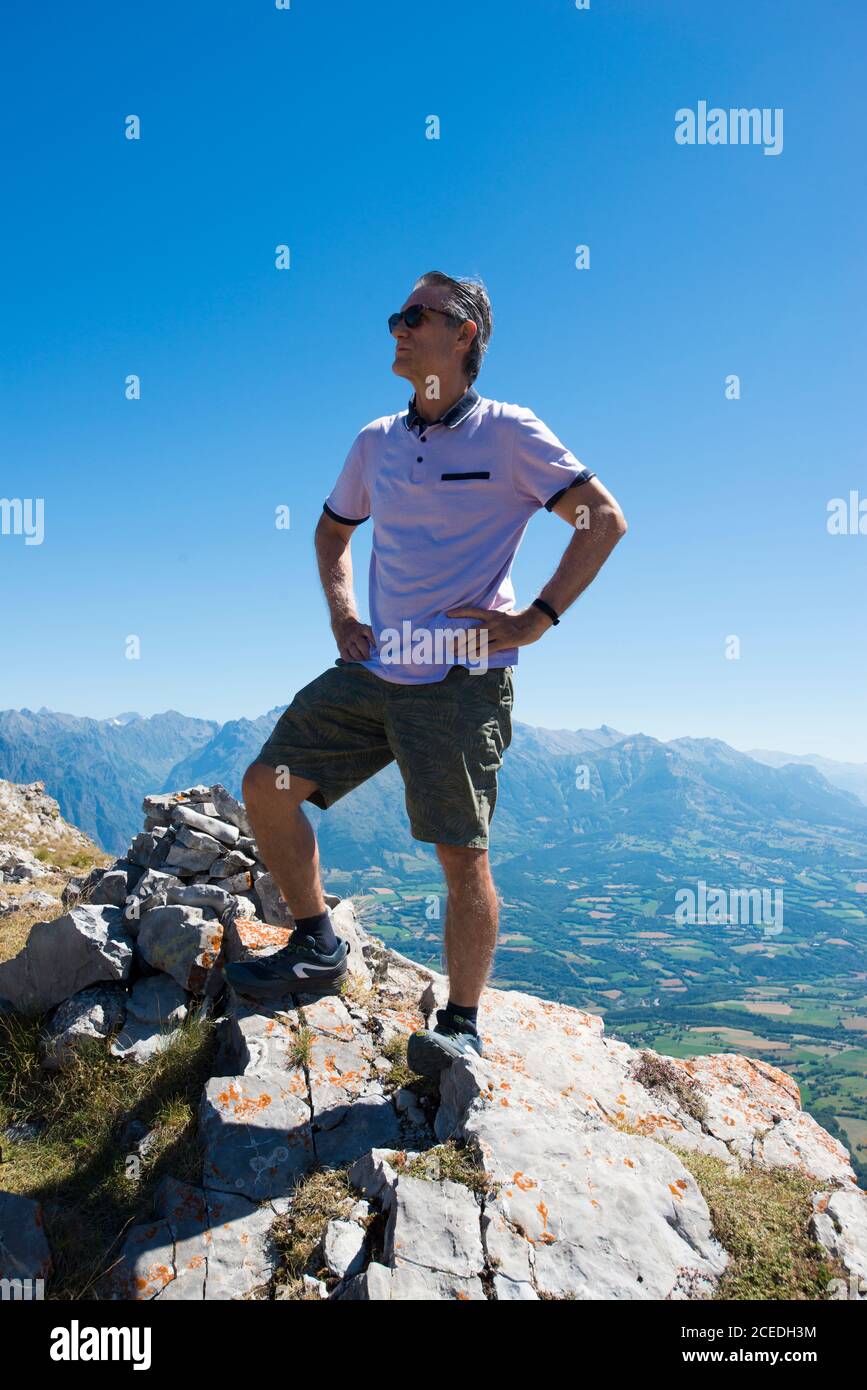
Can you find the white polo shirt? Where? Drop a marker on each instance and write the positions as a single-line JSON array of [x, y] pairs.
[[450, 502]]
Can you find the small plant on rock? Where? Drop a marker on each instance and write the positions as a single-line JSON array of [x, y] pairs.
[[659, 1074]]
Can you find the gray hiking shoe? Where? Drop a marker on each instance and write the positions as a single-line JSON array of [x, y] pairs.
[[429, 1053], [299, 968]]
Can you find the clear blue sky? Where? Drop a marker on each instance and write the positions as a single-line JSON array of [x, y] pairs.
[[307, 126]]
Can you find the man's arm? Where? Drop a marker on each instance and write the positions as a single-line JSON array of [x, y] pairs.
[[598, 529], [335, 571], [599, 523]]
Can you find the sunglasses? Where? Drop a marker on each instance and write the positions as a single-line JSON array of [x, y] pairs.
[[413, 316]]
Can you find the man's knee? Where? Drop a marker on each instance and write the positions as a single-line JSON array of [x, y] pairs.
[[462, 859], [262, 784]]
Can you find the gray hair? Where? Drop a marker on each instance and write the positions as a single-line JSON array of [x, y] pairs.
[[466, 299]]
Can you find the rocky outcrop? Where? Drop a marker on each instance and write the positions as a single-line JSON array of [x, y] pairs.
[[33, 835], [552, 1167], [60, 958], [31, 819]]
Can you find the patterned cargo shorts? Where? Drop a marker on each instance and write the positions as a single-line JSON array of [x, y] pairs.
[[447, 738]]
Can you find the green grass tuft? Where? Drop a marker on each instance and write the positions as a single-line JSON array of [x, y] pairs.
[[761, 1217], [77, 1168]]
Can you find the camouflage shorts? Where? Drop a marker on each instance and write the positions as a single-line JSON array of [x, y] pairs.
[[447, 737]]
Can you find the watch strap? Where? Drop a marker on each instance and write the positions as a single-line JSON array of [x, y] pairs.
[[546, 608]]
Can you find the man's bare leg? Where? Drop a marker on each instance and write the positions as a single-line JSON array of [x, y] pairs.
[[286, 840], [472, 917]]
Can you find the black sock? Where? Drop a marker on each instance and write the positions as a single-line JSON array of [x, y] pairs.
[[461, 1018], [321, 928]]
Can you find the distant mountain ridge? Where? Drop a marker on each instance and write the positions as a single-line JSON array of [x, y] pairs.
[[556, 785], [98, 769], [851, 777]]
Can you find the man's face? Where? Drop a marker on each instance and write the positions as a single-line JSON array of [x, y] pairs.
[[431, 348]]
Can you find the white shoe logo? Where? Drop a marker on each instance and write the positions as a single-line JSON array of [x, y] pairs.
[[303, 971]]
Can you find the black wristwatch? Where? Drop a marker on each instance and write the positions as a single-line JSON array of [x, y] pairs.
[[546, 608]]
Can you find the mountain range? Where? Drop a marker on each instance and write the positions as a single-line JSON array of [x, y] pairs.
[[99, 770]]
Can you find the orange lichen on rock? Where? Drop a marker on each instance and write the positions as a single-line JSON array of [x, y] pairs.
[[243, 1105], [521, 1180], [254, 935]]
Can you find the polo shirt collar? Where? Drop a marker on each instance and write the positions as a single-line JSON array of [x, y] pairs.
[[452, 417]]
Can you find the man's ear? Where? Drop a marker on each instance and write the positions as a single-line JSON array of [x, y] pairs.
[[465, 338]]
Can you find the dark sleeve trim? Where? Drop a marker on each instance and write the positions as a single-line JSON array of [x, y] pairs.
[[583, 477], [344, 520]]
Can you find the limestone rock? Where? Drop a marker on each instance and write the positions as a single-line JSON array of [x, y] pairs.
[[228, 809], [24, 1252], [156, 1007], [248, 938], [255, 1133], [314, 1286], [185, 943], [193, 851], [755, 1110], [201, 895], [112, 888], [159, 808], [19, 864], [239, 883], [231, 864], [143, 849], [81, 948], [413, 1284], [274, 909], [343, 1247], [95, 1012], [187, 817], [202, 1245], [839, 1223], [434, 1226]]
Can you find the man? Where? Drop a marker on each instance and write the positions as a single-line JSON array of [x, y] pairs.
[[450, 483]]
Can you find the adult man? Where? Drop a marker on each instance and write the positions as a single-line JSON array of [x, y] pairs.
[[451, 483]]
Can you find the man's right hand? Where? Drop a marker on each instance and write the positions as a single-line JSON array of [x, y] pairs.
[[355, 640]]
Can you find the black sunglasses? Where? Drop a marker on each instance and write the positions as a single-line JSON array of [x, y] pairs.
[[412, 316]]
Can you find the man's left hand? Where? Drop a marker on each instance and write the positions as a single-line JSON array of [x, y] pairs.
[[507, 630]]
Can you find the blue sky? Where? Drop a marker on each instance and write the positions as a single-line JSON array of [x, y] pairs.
[[307, 127]]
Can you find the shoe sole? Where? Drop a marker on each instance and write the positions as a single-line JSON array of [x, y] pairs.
[[429, 1058]]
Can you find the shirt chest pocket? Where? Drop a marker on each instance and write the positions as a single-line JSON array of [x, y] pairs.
[[466, 492], [465, 496]]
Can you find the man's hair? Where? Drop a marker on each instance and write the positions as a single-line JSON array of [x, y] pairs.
[[466, 299]]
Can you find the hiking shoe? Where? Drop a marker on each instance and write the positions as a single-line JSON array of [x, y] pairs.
[[299, 968], [429, 1053]]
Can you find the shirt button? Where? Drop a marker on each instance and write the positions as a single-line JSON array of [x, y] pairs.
[[418, 458], [424, 439]]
